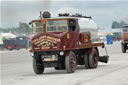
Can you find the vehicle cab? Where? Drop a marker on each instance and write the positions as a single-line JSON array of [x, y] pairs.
[[55, 33]]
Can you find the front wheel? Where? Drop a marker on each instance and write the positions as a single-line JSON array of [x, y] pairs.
[[37, 67], [86, 61], [70, 62]]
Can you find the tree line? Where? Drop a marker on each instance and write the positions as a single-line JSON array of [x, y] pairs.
[[116, 24], [23, 28]]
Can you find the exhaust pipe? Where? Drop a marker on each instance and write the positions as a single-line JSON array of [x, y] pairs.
[[103, 59]]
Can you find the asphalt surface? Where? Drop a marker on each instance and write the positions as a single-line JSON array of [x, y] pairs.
[[16, 69]]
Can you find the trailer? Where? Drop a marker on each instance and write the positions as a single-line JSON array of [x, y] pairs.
[[124, 42], [16, 43], [64, 42]]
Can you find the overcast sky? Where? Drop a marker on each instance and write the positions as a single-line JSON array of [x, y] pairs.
[[102, 12]]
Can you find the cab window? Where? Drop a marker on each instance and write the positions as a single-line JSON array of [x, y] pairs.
[[37, 27], [72, 25], [56, 26]]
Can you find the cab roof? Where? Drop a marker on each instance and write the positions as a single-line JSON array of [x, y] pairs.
[[62, 18]]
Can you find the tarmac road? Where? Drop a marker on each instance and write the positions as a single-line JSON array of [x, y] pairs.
[[16, 69]]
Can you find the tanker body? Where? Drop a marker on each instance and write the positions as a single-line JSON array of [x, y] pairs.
[[65, 42], [88, 25]]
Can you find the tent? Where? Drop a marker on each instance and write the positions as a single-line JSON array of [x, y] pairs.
[[7, 35]]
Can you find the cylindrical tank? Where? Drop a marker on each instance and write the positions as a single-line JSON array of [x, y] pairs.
[[88, 25]]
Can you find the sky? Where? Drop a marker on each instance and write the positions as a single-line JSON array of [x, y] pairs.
[[103, 12]]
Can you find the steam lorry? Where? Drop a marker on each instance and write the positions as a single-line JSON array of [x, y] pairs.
[[64, 42], [124, 42]]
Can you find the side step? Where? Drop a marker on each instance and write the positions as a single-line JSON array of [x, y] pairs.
[[103, 59]]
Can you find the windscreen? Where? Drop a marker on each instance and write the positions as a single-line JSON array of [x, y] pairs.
[[56, 26], [37, 27]]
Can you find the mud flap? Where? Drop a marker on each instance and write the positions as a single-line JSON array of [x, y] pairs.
[[103, 59]]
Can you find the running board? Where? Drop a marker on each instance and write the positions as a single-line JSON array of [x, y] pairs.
[[103, 59]]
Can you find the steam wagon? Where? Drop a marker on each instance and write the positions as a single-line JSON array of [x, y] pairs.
[[16, 43], [65, 42], [124, 42]]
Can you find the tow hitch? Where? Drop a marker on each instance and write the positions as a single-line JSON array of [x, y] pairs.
[[103, 59]]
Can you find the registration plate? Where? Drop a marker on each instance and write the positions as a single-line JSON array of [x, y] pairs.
[[49, 58]]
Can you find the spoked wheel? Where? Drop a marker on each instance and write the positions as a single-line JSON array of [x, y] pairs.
[[17, 47], [37, 67], [93, 59], [123, 47], [70, 62], [86, 61], [9, 47]]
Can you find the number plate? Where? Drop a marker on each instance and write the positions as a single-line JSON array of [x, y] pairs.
[[49, 58]]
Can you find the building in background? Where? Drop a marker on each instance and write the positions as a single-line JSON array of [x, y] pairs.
[[114, 33]]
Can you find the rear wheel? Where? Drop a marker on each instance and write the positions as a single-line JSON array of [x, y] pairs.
[[93, 59], [123, 47], [86, 61], [60, 63], [9, 47], [70, 62], [17, 47], [57, 68], [37, 67]]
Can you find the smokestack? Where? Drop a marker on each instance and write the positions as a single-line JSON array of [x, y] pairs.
[[40, 15]]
